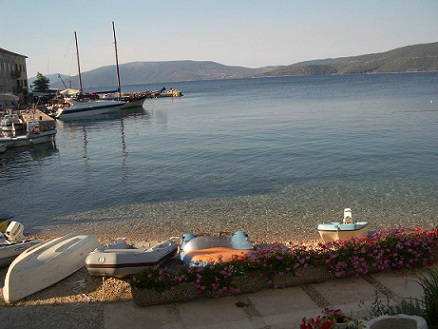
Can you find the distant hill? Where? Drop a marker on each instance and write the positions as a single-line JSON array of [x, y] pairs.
[[416, 58], [155, 72]]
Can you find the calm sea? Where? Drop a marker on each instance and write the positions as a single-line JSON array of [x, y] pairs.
[[296, 149]]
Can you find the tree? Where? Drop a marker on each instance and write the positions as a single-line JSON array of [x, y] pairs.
[[41, 83]]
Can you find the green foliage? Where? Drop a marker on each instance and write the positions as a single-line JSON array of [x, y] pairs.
[[429, 282], [411, 306], [41, 83]]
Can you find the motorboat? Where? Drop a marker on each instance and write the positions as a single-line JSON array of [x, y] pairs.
[[45, 264], [35, 134], [215, 248], [13, 242], [170, 93], [12, 122], [73, 108], [119, 259], [347, 229]]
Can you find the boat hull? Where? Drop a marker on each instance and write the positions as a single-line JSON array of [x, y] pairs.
[[90, 108], [8, 252], [45, 264], [134, 103], [336, 231], [28, 139], [121, 261]]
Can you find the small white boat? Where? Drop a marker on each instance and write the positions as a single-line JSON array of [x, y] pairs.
[[347, 229], [72, 108], [45, 264], [119, 259], [13, 242], [216, 248], [12, 122], [34, 135]]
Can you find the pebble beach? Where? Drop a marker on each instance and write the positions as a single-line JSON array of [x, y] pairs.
[[266, 218]]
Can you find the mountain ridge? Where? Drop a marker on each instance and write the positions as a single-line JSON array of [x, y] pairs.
[[414, 58]]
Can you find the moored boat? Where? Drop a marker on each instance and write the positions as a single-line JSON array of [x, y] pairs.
[[84, 105], [12, 123], [35, 134], [72, 108], [170, 93], [209, 249], [45, 264], [13, 242], [347, 229], [119, 259]]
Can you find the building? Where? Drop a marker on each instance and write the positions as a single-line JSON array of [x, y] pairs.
[[13, 75]]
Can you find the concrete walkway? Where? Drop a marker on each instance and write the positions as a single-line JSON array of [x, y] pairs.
[[267, 309]]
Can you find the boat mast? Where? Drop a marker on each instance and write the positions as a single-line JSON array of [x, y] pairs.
[[79, 65], [117, 62]]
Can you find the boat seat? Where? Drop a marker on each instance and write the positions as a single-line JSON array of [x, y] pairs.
[[217, 254]]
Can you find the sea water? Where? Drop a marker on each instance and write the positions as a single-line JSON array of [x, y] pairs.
[[294, 149]]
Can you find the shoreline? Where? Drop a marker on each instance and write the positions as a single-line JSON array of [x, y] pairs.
[[83, 291]]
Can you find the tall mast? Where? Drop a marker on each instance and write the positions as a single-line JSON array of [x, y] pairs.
[[117, 62], [79, 65]]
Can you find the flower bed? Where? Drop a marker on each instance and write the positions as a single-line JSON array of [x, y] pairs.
[[278, 266]]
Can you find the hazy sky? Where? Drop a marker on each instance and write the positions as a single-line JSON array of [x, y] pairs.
[[231, 32]]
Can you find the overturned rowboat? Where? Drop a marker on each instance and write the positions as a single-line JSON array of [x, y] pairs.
[[119, 259], [210, 249], [45, 264], [345, 230]]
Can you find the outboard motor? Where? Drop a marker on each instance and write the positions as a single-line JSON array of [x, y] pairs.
[[348, 216], [14, 232]]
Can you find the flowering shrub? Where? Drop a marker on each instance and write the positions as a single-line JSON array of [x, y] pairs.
[[318, 323], [335, 314], [329, 319], [389, 249]]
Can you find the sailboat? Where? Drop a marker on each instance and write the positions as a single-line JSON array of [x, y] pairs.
[[84, 105], [131, 100]]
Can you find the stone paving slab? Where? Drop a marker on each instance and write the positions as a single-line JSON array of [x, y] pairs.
[[266, 309]]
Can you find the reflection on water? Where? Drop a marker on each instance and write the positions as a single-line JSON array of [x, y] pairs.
[[266, 155], [15, 162]]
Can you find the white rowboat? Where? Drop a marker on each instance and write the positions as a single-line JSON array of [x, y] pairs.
[[45, 264]]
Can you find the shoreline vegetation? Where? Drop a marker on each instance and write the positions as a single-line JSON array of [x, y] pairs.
[[279, 266]]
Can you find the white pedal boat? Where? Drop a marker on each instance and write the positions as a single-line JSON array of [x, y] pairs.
[[13, 243], [119, 259], [45, 264], [345, 230]]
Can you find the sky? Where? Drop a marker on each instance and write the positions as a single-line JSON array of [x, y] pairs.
[[244, 33]]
